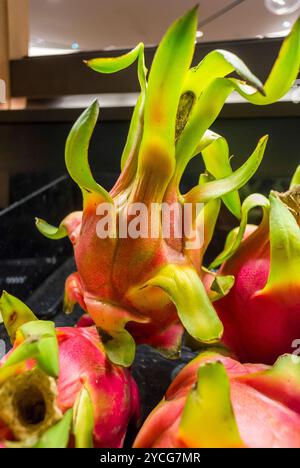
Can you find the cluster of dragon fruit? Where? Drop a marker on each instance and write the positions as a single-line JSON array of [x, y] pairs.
[[73, 387]]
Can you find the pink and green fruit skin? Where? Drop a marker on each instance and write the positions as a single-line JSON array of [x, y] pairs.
[[112, 390], [216, 402], [261, 313], [249, 321], [117, 294]]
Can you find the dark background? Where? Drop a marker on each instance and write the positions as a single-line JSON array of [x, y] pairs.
[[32, 161], [32, 150]]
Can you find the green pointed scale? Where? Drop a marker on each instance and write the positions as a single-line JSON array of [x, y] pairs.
[[208, 419]]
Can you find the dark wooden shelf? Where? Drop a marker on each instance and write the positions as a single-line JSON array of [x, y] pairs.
[[241, 110], [53, 76]]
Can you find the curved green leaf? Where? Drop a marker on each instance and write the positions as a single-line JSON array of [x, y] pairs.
[[296, 178], [26, 350], [287, 368], [207, 109], [205, 112], [284, 71], [218, 188], [284, 245], [217, 64], [251, 202], [83, 420], [206, 221], [119, 346], [49, 231], [231, 236], [48, 357], [208, 419], [217, 162], [186, 291], [208, 139], [214, 95], [209, 218], [135, 133], [221, 287], [14, 313], [58, 435], [136, 126], [169, 68], [116, 64], [76, 154], [39, 343]]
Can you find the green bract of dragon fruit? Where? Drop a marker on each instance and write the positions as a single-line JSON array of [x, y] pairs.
[[216, 402], [147, 289], [57, 387], [261, 313]]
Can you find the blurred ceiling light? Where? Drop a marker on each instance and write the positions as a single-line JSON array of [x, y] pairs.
[[108, 100], [295, 95], [43, 51], [39, 47], [282, 33], [119, 100], [110, 47], [282, 7], [199, 34], [295, 92]]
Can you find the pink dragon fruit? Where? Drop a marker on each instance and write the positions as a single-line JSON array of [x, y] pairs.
[[57, 387], [216, 402], [145, 289], [261, 313]]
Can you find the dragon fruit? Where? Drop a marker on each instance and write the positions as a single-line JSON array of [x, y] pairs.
[[57, 387], [216, 402], [261, 313], [142, 288]]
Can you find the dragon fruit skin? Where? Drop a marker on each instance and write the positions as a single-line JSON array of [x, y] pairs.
[[261, 313], [83, 365], [113, 391], [147, 290], [162, 328], [232, 406]]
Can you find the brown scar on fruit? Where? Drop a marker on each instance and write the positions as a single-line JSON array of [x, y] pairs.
[[291, 199], [105, 337], [13, 317], [186, 104]]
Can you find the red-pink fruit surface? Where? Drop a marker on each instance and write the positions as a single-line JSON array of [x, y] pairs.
[[111, 388], [263, 403], [261, 313]]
